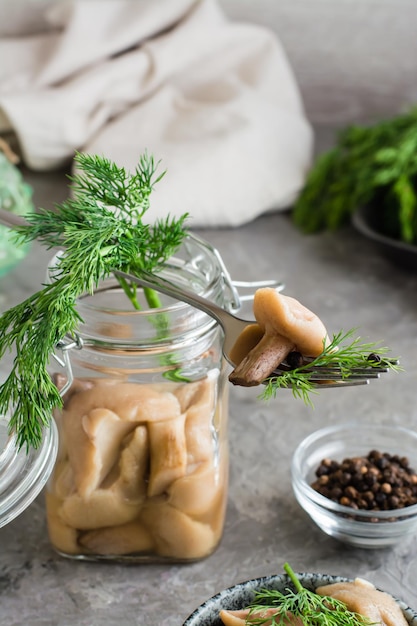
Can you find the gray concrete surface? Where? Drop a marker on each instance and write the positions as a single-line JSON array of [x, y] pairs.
[[349, 284]]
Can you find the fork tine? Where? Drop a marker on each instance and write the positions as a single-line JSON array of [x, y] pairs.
[[335, 376], [318, 376], [335, 373], [355, 371], [376, 364], [341, 383], [334, 384]]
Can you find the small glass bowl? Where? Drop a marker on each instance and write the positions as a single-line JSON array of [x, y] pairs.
[[357, 527]]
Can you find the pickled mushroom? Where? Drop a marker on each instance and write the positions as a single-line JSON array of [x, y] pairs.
[[96, 420], [64, 484], [199, 437], [287, 325], [103, 507], [132, 402], [168, 453], [362, 597], [176, 534], [359, 596], [195, 493], [244, 617], [125, 539], [63, 537], [247, 340], [198, 432], [93, 442], [186, 394], [136, 474], [234, 618], [131, 471]]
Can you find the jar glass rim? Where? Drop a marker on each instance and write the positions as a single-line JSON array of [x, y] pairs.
[[195, 257], [196, 266]]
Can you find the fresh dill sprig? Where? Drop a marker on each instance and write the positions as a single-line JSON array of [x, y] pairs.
[[369, 165], [337, 354], [101, 228], [311, 608]]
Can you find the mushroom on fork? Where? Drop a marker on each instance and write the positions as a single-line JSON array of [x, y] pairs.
[[285, 325]]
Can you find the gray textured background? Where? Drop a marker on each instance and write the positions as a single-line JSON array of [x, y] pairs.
[[354, 60]]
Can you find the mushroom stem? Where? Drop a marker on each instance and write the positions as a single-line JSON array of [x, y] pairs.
[[261, 361]]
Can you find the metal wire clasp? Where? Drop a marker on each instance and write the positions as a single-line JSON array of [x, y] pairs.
[[234, 302], [64, 346]]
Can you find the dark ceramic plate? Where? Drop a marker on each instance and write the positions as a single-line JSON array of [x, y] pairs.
[[242, 594], [364, 220]]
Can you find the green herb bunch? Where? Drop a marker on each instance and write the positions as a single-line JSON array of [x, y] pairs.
[[101, 227], [308, 606], [343, 354], [370, 165]]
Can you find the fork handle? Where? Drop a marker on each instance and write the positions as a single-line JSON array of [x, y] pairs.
[[170, 289]]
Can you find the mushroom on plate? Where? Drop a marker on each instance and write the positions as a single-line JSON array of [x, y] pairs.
[[244, 617], [362, 597]]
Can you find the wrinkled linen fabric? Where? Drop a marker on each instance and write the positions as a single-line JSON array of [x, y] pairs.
[[214, 101]]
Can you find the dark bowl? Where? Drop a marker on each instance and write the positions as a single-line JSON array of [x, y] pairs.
[[365, 220], [242, 594]]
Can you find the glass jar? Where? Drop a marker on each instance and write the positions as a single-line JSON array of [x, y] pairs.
[[142, 468]]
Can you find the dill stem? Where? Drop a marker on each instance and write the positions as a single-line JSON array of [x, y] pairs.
[[293, 577], [130, 292], [152, 298]]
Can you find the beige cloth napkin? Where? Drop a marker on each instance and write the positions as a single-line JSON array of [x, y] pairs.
[[215, 101]]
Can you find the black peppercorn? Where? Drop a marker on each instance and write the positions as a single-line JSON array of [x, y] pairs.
[[393, 502], [295, 359], [374, 358], [376, 482], [370, 478]]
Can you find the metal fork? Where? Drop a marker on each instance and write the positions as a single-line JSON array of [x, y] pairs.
[[325, 377], [231, 324]]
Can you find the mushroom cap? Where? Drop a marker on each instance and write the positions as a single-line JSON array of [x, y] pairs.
[[362, 597], [286, 316]]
